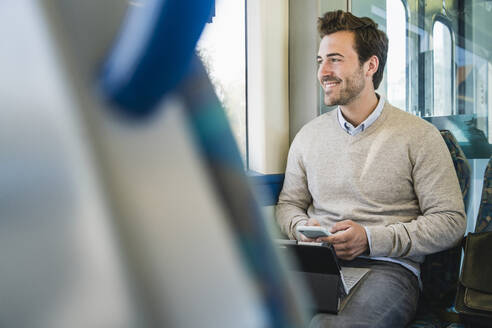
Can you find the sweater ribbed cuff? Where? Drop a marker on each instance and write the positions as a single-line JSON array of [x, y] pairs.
[[368, 235], [295, 222], [381, 243]]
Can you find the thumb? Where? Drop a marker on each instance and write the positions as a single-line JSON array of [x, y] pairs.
[[312, 222]]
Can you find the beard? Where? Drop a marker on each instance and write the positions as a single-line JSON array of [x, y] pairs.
[[354, 84]]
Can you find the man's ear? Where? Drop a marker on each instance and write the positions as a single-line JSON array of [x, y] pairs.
[[372, 65]]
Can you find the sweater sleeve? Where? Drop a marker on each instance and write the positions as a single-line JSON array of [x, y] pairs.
[[442, 221], [295, 198]]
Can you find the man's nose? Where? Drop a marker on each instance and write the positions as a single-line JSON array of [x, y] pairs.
[[325, 69]]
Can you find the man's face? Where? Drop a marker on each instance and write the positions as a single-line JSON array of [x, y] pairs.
[[340, 74]]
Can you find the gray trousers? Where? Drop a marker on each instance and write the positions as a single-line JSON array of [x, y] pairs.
[[387, 297]]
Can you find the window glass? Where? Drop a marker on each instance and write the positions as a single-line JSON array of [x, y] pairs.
[[222, 50], [442, 69], [448, 64], [391, 17], [397, 54]]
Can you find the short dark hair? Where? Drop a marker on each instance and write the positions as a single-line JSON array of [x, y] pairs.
[[369, 40]]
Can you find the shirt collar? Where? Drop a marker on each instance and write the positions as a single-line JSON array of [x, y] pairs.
[[350, 129]]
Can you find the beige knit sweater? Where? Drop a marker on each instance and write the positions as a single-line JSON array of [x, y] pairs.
[[396, 178]]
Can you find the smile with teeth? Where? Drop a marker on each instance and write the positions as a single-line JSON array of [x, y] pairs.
[[329, 84]]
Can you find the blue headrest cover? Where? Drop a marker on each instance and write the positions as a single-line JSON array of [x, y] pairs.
[[153, 52]]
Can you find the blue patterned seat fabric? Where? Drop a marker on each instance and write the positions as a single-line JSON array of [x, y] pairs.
[[460, 162], [484, 218], [440, 271]]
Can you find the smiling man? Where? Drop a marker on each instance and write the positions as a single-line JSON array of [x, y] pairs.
[[380, 179]]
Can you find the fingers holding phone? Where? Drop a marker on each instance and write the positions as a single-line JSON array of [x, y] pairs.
[[313, 232], [302, 237]]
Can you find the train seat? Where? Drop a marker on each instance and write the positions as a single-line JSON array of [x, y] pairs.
[[440, 271]]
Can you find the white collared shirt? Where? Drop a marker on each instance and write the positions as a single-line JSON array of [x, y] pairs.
[[350, 129]]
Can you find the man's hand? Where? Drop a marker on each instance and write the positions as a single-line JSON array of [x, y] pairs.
[[310, 222], [349, 241]]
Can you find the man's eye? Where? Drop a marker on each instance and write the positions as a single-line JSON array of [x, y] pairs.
[[334, 60]]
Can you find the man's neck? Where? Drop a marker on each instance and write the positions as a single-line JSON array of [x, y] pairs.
[[360, 108]]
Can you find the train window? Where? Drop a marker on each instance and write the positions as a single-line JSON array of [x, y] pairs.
[[442, 69], [222, 50], [395, 81], [397, 53]]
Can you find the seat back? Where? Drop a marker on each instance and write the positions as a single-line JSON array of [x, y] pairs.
[[484, 218], [460, 163], [440, 270]]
